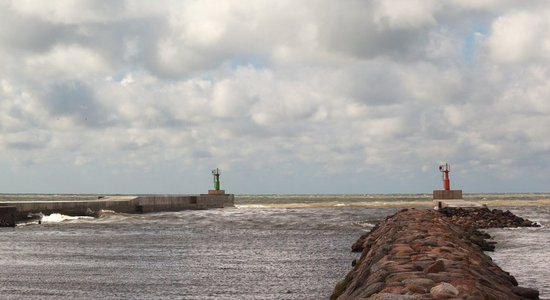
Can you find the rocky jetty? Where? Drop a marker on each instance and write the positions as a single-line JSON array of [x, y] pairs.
[[428, 254]]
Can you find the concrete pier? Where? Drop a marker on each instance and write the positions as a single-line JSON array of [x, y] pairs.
[[452, 198], [123, 204]]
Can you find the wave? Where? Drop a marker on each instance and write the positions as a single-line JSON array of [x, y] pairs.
[[366, 225], [252, 206], [514, 202], [52, 218], [390, 203], [57, 218], [339, 204]]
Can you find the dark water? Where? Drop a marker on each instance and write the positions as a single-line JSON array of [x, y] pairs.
[[241, 253], [279, 247]]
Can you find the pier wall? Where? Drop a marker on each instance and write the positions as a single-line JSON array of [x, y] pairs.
[[121, 204], [73, 208], [175, 203], [444, 194], [7, 216]]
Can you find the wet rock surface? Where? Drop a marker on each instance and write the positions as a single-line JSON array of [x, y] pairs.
[[428, 254]]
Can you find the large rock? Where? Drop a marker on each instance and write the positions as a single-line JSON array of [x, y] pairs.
[[444, 290], [526, 292]]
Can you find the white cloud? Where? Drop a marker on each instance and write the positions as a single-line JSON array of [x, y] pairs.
[[521, 37], [70, 11], [480, 4], [404, 13], [68, 62]]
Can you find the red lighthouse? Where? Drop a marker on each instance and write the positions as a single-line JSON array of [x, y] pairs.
[[445, 169]]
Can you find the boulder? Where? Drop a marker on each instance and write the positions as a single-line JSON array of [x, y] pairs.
[[444, 290], [436, 267], [526, 292]]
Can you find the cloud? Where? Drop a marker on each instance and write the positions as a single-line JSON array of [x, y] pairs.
[[68, 62], [404, 14], [521, 37], [74, 100], [335, 90], [70, 11], [24, 33]]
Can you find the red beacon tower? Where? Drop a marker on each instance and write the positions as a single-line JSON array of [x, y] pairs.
[[445, 169], [441, 197]]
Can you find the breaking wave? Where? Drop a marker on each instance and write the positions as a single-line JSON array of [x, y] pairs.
[[56, 218]]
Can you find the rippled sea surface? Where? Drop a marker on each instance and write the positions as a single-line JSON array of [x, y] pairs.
[[525, 252], [267, 247]]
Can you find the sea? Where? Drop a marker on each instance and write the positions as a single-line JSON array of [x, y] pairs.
[[266, 247]]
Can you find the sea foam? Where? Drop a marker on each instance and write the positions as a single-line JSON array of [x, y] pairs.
[[56, 218]]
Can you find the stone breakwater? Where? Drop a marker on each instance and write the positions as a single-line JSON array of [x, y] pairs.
[[427, 254]]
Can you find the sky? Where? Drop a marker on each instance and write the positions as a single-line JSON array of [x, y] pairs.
[[311, 96]]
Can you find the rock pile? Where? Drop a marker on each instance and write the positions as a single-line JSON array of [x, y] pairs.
[[481, 218], [423, 254]]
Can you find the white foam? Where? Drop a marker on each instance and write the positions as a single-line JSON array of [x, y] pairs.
[[364, 224], [56, 218], [251, 206]]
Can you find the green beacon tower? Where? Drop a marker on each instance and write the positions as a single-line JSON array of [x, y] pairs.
[[216, 190], [216, 173]]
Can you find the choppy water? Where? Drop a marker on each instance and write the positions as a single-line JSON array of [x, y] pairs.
[[268, 247], [525, 252]]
